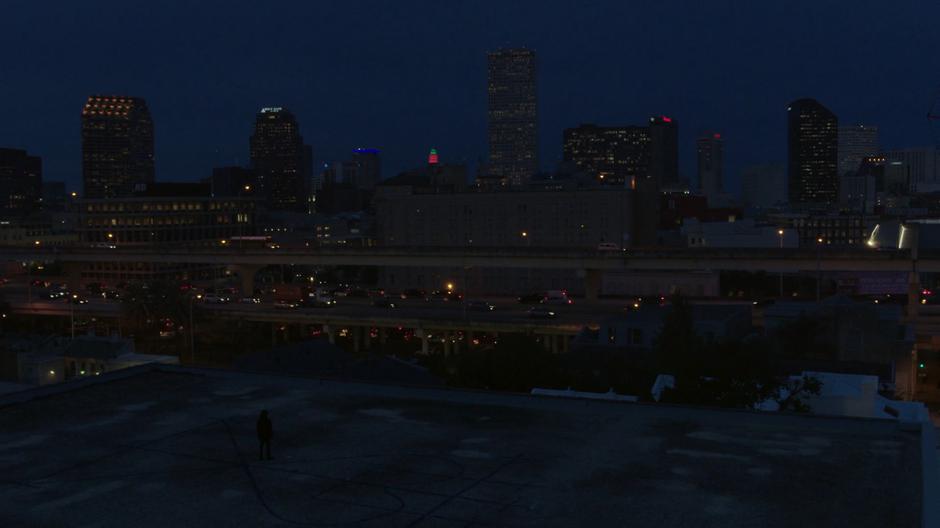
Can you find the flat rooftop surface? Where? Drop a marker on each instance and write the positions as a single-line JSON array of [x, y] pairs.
[[177, 447]]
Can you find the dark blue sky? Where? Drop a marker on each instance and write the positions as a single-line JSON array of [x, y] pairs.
[[404, 75]]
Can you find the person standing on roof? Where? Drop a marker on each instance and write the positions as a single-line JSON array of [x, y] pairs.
[[265, 432]]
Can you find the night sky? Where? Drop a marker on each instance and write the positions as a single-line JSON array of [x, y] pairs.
[[405, 76]]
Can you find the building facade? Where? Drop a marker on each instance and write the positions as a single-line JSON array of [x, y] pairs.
[[20, 183], [919, 167], [512, 115], [664, 153], [813, 144], [710, 151], [615, 155], [281, 162], [432, 216], [117, 146], [856, 142]]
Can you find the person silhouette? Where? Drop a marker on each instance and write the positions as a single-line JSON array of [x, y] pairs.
[[265, 432]]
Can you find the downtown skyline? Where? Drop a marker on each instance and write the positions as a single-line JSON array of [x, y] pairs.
[[345, 94]]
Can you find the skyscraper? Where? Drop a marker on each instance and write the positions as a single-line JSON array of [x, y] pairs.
[[710, 149], [616, 155], [367, 168], [20, 183], [856, 142], [813, 143], [281, 162], [664, 152], [117, 145], [513, 115]]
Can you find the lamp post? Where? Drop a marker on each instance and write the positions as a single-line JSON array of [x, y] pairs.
[[72, 312], [192, 329], [780, 237], [819, 243]]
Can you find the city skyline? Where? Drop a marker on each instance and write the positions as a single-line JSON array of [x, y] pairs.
[[342, 99]]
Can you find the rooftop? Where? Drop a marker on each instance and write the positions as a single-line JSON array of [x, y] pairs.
[[168, 446]]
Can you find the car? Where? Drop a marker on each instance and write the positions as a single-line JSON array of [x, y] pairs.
[[480, 306], [111, 294], [319, 300], [414, 294], [532, 298], [75, 299], [377, 292], [608, 246], [559, 297], [383, 302], [250, 300], [286, 305], [445, 296], [541, 312], [212, 298]]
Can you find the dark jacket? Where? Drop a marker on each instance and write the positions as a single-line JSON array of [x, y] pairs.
[[265, 430]]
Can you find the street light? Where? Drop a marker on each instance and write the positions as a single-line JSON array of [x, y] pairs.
[[819, 243], [72, 312], [780, 238], [192, 329]]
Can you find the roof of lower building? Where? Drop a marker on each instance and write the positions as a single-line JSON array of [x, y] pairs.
[[168, 446]]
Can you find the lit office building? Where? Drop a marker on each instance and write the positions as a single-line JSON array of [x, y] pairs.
[[281, 162], [117, 146], [512, 115], [813, 142]]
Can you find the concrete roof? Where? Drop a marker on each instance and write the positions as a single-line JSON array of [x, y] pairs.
[[167, 446]]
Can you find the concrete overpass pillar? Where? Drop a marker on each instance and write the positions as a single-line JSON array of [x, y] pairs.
[[554, 341], [565, 340], [592, 284], [446, 344], [383, 336], [356, 338], [367, 338], [423, 336], [330, 334], [246, 276], [913, 295]]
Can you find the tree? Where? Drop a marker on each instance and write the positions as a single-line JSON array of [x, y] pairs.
[[147, 306], [736, 374], [514, 363], [792, 394]]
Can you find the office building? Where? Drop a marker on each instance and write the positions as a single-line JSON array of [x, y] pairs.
[[856, 142], [764, 185], [173, 215], [415, 210], [54, 196], [232, 181], [614, 155], [512, 115], [664, 152], [920, 167], [859, 190], [281, 162], [710, 151], [20, 183], [813, 142], [364, 170], [117, 146]]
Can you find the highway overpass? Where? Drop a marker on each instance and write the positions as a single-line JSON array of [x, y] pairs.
[[683, 259], [246, 262]]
